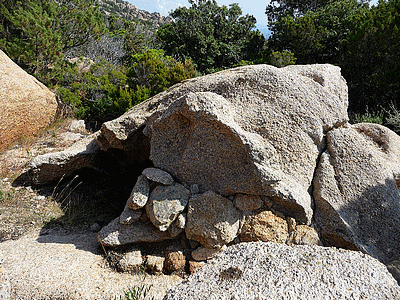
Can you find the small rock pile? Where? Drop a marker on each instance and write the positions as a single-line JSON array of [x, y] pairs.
[[160, 208]]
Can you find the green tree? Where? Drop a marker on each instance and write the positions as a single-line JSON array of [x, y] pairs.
[[319, 36], [212, 36], [36, 33], [372, 64]]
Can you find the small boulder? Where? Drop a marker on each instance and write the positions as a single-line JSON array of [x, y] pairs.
[[264, 226], [155, 264], [166, 203], [212, 220], [131, 262], [303, 235], [357, 201], [26, 105], [178, 226], [140, 193], [158, 176], [203, 253], [174, 260]]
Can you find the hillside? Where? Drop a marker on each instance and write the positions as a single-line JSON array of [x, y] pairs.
[[128, 11]]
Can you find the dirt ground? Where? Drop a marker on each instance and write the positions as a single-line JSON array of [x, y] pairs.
[[47, 250]]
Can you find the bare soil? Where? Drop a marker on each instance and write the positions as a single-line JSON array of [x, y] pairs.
[[47, 250]]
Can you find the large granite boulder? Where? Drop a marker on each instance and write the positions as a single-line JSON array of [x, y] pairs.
[[356, 195], [276, 271], [255, 130], [26, 105]]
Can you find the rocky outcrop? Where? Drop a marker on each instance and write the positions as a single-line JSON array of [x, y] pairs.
[[26, 105], [254, 130], [356, 195], [128, 11], [51, 167], [261, 153], [275, 271]]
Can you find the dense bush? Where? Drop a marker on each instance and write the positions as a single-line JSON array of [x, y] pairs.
[[107, 90]]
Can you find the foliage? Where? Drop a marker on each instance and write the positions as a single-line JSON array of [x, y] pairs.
[[367, 117], [393, 119], [155, 71], [136, 293], [35, 34], [363, 41], [212, 36], [107, 90], [282, 59], [317, 36], [372, 65]]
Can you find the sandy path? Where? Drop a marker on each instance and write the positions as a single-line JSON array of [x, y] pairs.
[[67, 267]]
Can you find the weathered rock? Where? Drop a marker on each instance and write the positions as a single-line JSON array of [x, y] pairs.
[[270, 120], [303, 235], [77, 126], [203, 253], [394, 269], [174, 260], [166, 203], [264, 226], [247, 202], [356, 196], [51, 167], [26, 105], [158, 176], [291, 224], [83, 64], [129, 216], [116, 234], [95, 227], [155, 264], [194, 266], [131, 261], [178, 226], [71, 136], [140, 193], [277, 271], [212, 220]]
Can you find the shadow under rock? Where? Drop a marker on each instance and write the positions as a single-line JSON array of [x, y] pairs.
[[86, 198]]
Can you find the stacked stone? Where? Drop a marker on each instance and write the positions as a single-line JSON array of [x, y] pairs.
[[159, 209]]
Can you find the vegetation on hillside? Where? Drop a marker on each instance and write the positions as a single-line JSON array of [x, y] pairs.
[[132, 62], [364, 41]]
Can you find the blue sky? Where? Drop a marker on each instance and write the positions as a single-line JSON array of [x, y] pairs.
[[252, 7]]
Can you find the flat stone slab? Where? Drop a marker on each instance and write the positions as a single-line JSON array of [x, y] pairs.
[[158, 175], [117, 234], [277, 271]]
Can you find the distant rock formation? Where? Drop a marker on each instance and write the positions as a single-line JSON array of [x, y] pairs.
[[130, 12], [26, 105]]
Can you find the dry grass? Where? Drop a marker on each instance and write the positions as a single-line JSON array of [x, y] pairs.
[[23, 209]]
